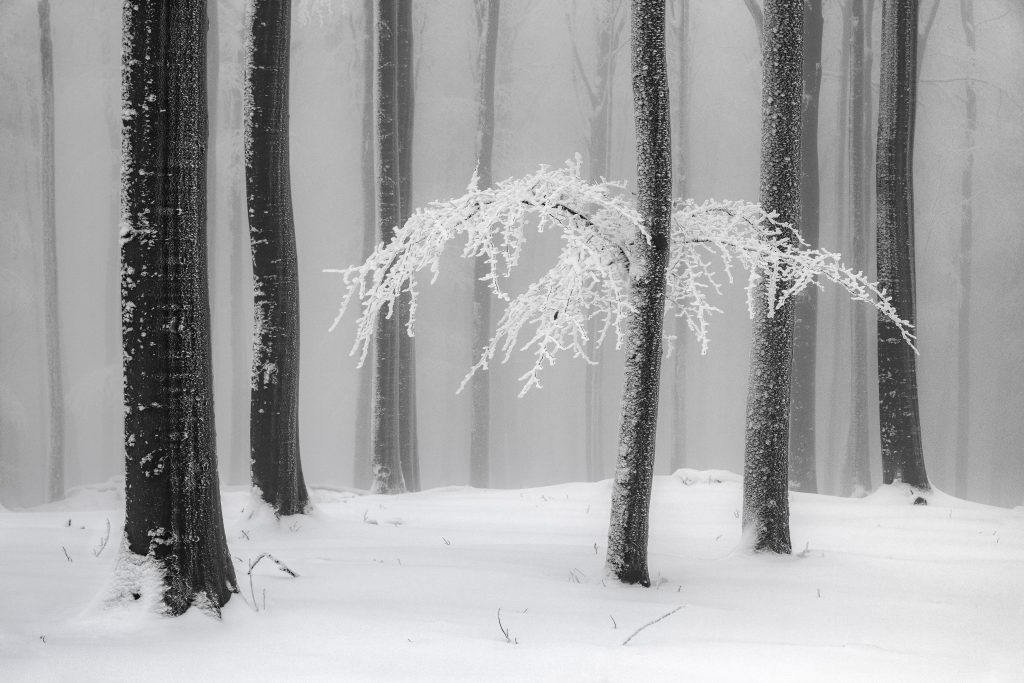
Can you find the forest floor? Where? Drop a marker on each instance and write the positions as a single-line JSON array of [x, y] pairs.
[[409, 588]]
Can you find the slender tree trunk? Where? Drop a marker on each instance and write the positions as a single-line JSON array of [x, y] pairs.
[[387, 458], [679, 140], [765, 474], [274, 407], [364, 402], [173, 524], [51, 315], [489, 12], [803, 474], [899, 416], [631, 494], [856, 474], [963, 358]]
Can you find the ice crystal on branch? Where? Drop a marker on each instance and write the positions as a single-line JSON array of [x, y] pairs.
[[590, 277]]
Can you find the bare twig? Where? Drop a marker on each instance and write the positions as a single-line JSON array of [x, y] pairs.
[[651, 623], [103, 541], [66, 554], [252, 565], [505, 632]]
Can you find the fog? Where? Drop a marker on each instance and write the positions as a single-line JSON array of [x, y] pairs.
[[542, 119]]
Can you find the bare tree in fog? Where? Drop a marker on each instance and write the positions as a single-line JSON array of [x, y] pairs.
[[274, 408], [899, 415], [174, 529], [766, 469]]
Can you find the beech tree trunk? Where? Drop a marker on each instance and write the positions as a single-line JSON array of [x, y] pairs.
[[387, 456], [803, 472], [855, 477], [631, 494], [766, 468], [899, 416], [488, 14], [274, 406], [51, 312], [679, 140], [963, 356], [173, 522]]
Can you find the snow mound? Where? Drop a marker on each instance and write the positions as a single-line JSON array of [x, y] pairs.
[[691, 477]]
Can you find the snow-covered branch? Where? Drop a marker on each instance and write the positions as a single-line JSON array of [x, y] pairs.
[[590, 278]]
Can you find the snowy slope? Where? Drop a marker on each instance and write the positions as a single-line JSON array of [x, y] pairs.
[[409, 587]]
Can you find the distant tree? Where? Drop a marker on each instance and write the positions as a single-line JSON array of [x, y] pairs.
[[899, 416], [51, 313], [488, 13], [766, 469], [174, 539], [274, 409]]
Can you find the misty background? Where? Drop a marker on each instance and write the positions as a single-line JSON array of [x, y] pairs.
[[541, 118]]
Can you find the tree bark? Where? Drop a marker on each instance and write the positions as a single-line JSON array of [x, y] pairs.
[[387, 458], [51, 313], [803, 473], [173, 522], [274, 404], [899, 416], [488, 14], [765, 478], [631, 494]]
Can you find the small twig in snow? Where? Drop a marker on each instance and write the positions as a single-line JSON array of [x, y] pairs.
[[504, 631], [66, 554], [614, 624], [651, 623], [103, 541]]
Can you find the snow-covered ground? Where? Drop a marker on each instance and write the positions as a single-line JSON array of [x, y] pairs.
[[409, 588]]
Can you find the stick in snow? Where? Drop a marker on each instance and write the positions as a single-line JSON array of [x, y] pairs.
[[651, 623]]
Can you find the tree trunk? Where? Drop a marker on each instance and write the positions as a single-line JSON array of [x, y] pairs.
[[899, 417], [963, 364], [856, 473], [765, 478], [173, 524], [407, 441], [679, 140], [631, 494], [387, 458], [803, 474], [364, 402], [51, 314], [274, 407], [489, 12]]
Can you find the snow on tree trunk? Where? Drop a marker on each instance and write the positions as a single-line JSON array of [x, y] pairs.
[[899, 417], [803, 474], [274, 405], [631, 494], [174, 549], [51, 314], [855, 477], [489, 12], [406, 88], [679, 141], [765, 479], [963, 364], [387, 460], [364, 400]]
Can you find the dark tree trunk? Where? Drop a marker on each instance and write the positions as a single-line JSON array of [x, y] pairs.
[[679, 141], [173, 520], [488, 14], [407, 441], [387, 460], [766, 469], [51, 314], [855, 478], [274, 407], [899, 417], [631, 494], [364, 402], [963, 356], [803, 474]]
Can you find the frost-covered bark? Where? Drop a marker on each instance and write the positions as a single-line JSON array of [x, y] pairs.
[[488, 14], [274, 398], [387, 458], [174, 549], [899, 416], [631, 494], [803, 472], [963, 365], [855, 476], [51, 317], [765, 472]]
